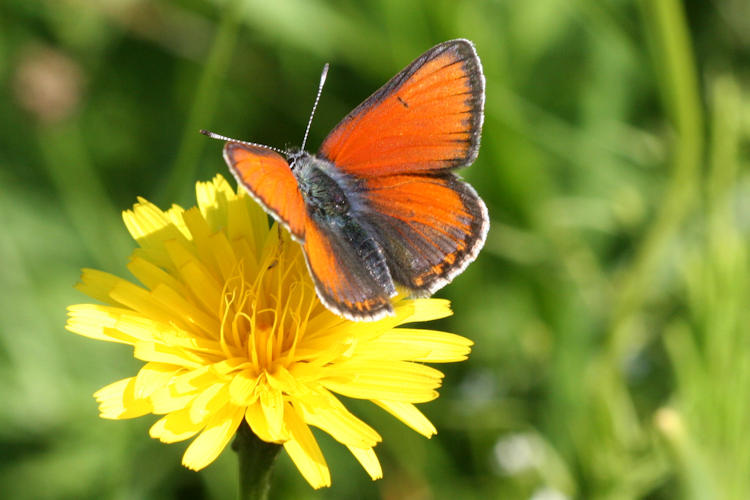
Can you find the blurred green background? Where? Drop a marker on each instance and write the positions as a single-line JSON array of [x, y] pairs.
[[609, 306]]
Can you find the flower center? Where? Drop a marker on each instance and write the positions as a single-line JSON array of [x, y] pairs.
[[264, 314]]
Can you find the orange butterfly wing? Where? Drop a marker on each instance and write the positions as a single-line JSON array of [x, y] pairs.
[[267, 177], [427, 118], [348, 285], [430, 227]]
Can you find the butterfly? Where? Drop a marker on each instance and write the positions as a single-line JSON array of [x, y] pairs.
[[379, 205]]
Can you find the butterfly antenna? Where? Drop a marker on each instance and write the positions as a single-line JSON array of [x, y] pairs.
[[317, 98], [219, 137]]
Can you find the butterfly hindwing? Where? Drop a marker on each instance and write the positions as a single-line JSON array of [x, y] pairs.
[[427, 118], [267, 177], [348, 269], [430, 227]]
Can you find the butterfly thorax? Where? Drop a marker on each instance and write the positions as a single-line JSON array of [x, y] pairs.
[[322, 192]]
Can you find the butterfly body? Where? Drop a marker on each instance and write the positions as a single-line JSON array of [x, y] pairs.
[[379, 206], [332, 203]]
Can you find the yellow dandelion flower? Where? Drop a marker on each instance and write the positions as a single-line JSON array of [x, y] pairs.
[[229, 325]]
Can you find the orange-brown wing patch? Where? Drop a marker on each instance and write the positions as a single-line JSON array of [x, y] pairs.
[[430, 227], [267, 177], [427, 118], [341, 281]]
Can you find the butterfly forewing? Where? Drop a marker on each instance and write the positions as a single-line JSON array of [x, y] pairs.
[[425, 119], [267, 177]]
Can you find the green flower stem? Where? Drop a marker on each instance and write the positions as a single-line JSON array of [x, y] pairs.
[[256, 458]]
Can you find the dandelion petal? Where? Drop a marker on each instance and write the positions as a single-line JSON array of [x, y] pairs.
[[214, 438], [369, 460]]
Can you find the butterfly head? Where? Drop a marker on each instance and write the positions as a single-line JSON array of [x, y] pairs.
[[295, 157]]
